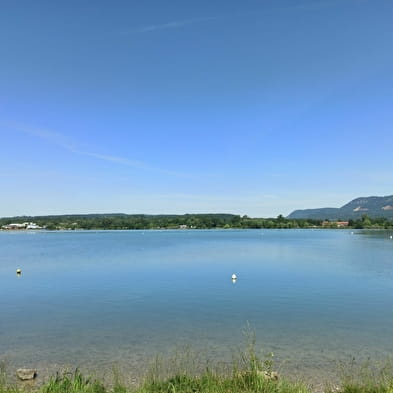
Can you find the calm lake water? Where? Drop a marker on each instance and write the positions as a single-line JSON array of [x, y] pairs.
[[101, 298]]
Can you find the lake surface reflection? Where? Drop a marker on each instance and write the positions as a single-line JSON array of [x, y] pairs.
[[98, 299]]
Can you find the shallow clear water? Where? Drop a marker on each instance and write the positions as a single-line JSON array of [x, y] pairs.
[[95, 299]]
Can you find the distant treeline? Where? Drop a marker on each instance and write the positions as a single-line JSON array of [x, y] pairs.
[[188, 221]]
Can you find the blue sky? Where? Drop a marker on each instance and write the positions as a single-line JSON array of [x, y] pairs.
[[251, 107]]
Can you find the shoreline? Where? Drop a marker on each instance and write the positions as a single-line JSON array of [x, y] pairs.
[[194, 362], [252, 374], [187, 222]]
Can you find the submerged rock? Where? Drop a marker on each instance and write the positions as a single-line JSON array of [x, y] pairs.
[[270, 376], [26, 373], [274, 375]]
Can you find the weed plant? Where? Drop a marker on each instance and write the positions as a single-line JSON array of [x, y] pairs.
[[366, 376]]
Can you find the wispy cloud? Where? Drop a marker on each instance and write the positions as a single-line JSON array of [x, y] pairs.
[[307, 5], [50, 136], [27, 174], [115, 159], [170, 25], [62, 141], [311, 5]]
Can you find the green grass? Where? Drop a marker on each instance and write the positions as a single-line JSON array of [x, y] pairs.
[[367, 377], [211, 383], [73, 383], [186, 373], [208, 382]]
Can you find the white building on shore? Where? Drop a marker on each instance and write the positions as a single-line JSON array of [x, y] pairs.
[[24, 225]]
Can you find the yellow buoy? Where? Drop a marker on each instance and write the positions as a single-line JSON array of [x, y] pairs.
[[18, 272]]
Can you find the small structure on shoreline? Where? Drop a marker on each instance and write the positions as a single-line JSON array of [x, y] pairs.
[[335, 224]]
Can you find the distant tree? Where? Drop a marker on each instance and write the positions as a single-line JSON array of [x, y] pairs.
[[366, 221]]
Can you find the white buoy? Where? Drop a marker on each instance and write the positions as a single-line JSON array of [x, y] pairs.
[[391, 236], [234, 276], [18, 272]]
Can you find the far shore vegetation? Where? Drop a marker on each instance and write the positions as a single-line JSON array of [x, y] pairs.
[[186, 221]]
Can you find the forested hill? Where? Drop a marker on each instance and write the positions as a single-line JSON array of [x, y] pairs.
[[373, 206]]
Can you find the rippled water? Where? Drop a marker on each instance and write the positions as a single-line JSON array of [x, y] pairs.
[[95, 299]]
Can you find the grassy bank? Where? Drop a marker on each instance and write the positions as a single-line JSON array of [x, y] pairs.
[[247, 374], [208, 382]]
